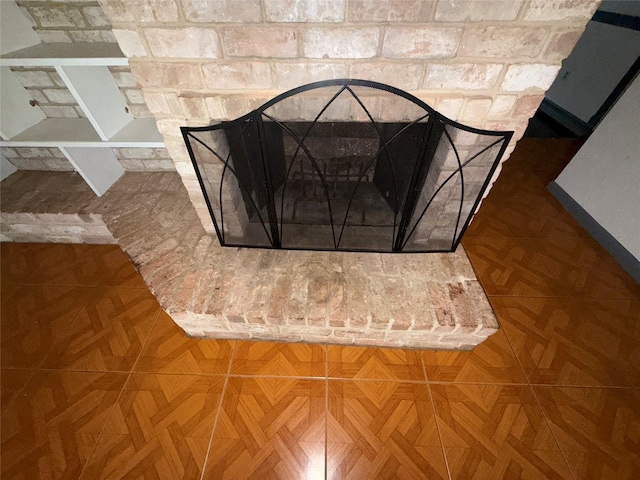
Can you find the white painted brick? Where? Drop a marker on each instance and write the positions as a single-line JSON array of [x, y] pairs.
[[555, 10], [278, 42], [193, 107], [124, 79], [140, 111], [161, 153], [130, 43], [476, 10], [464, 76], [159, 165], [92, 36], [215, 108], [59, 112], [38, 96], [8, 152], [95, 17], [57, 79], [183, 42], [34, 78], [135, 153], [522, 77], [163, 103], [239, 11], [305, 10], [401, 75], [340, 42], [237, 76], [425, 42], [57, 16], [475, 110], [132, 164], [59, 95], [502, 105], [450, 107], [134, 96], [167, 75], [502, 42], [290, 75], [177, 149], [400, 11], [59, 164], [185, 169], [53, 36]]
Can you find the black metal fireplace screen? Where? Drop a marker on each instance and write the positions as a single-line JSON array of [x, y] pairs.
[[343, 165]]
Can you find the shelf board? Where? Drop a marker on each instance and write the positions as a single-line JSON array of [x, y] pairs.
[[78, 132], [64, 54]]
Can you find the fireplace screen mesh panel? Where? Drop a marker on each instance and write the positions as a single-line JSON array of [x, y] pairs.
[[343, 165]]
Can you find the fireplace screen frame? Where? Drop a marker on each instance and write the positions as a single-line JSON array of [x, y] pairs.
[[435, 129]]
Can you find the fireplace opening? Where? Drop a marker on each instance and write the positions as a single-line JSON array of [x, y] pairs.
[[343, 165]]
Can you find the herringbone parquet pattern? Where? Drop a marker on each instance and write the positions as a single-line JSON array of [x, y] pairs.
[[97, 382]]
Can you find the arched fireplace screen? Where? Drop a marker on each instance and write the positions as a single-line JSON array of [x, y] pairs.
[[343, 165]]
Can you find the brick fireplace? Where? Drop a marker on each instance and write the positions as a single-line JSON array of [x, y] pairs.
[[486, 64]]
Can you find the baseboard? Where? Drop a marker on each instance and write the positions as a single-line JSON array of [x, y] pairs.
[[619, 253], [565, 118]]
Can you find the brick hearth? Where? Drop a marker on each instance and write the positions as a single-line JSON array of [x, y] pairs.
[[414, 300]]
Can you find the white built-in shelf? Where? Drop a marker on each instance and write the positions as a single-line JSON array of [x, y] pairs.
[[78, 132], [83, 67], [65, 54]]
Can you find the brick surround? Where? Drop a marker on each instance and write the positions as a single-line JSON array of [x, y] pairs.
[[486, 64]]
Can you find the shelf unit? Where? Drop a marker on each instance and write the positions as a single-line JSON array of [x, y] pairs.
[[85, 142]]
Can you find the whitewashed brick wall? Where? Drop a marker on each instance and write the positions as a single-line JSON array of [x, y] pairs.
[[485, 63], [70, 21]]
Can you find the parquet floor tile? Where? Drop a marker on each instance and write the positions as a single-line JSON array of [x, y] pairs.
[[50, 430], [510, 267], [169, 350], [34, 318], [6, 291], [493, 361], [279, 359], [584, 269], [11, 384], [160, 428], [19, 261], [122, 273], [382, 430], [74, 264], [271, 428], [622, 315], [496, 432], [598, 430], [523, 215], [108, 333], [362, 363], [565, 342]]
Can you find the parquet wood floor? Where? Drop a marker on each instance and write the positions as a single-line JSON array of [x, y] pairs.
[[97, 382]]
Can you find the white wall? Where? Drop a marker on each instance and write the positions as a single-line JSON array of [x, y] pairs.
[[604, 176], [600, 59], [15, 29], [6, 168]]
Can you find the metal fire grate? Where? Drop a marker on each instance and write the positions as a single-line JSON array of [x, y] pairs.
[[343, 165]]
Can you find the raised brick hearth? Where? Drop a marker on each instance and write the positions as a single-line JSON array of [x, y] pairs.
[[414, 300]]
